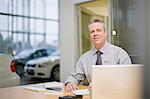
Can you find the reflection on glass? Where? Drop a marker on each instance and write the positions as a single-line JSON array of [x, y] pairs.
[[9, 23], [3, 6], [39, 8], [27, 24], [15, 24], [32, 38], [32, 25], [26, 7], [20, 23], [40, 39], [15, 39], [20, 37], [39, 26], [4, 35], [36, 40], [53, 39], [52, 9], [20, 7], [3, 22], [15, 6], [32, 7], [52, 27]]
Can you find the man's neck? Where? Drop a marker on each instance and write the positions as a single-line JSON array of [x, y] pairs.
[[99, 46]]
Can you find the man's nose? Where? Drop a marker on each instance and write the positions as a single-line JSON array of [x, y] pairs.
[[95, 32]]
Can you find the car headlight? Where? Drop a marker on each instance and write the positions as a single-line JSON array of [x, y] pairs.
[[43, 65]]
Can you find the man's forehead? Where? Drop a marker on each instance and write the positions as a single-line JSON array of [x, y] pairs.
[[96, 24]]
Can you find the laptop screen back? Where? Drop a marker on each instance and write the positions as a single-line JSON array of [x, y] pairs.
[[117, 81]]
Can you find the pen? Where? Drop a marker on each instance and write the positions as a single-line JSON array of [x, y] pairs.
[[55, 89]]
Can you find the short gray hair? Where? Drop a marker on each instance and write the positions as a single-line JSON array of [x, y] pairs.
[[95, 19]]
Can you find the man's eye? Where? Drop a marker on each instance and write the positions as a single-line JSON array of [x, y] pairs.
[[99, 30], [92, 31]]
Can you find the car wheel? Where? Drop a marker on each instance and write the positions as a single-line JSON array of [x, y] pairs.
[[20, 70], [55, 73]]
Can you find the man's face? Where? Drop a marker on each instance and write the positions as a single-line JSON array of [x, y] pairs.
[[97, 33]]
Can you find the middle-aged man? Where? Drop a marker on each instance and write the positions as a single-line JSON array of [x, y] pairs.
[[102, 53]]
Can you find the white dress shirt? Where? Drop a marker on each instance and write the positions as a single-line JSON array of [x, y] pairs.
[[111, 54]]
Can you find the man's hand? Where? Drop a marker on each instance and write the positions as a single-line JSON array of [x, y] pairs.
[[90, 86], [70, 87]]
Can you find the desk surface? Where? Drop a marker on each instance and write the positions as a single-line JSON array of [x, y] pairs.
[[18, 92]]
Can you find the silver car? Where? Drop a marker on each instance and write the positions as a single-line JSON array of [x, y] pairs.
[[44, 67], [8, 76]]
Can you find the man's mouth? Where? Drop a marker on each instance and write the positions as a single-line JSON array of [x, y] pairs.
[[96, 38]]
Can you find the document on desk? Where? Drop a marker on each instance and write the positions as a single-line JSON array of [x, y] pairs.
[[54, 88], [81, 92], [34, 87]]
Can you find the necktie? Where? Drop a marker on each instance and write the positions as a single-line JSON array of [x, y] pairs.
[[99, 60]]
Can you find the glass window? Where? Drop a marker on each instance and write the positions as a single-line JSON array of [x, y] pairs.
[[20, 40], [4, 6], [39, 10], [52, 27], [10, 23], [5, 42], [9, 34], [39, 39], [3, 22], [52, 39], [20, 37], [32, 7], [25, 38], [32, 25], [15, 6], [9, 6], [26, 7], [39, 26], [52, 9], [20, 7], [15, 24], [3, 35], [33, 40], [20, 23], [15, 37], [26, 24]]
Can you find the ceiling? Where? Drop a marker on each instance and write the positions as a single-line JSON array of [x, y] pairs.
[[99, 7]]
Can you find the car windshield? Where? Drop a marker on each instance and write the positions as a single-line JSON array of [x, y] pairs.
[[35, 52], [25, 53]]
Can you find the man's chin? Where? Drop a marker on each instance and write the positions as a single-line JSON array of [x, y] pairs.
[[98, 43]]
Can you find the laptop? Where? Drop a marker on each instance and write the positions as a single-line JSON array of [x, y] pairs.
[[117, 81]]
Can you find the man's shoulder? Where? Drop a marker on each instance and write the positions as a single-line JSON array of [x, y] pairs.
[[87, 53], [116, 49], [114, 46]]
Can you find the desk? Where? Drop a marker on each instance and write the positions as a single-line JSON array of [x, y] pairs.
[[18, 92]]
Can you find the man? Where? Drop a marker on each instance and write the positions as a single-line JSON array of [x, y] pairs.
[[109, 54]]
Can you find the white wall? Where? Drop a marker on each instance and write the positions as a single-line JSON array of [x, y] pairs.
[[68, 36]]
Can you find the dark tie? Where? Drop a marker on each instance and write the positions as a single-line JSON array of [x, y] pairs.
[[99, 60]]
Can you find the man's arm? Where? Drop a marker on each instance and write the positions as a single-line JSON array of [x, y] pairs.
[[75, 77], [124, 57]]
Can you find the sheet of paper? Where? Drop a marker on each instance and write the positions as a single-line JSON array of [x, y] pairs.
[[46, 88], [81, 92], [35, 87], [57, 86]]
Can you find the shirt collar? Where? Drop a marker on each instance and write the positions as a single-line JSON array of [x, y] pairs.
[[103, 49]]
